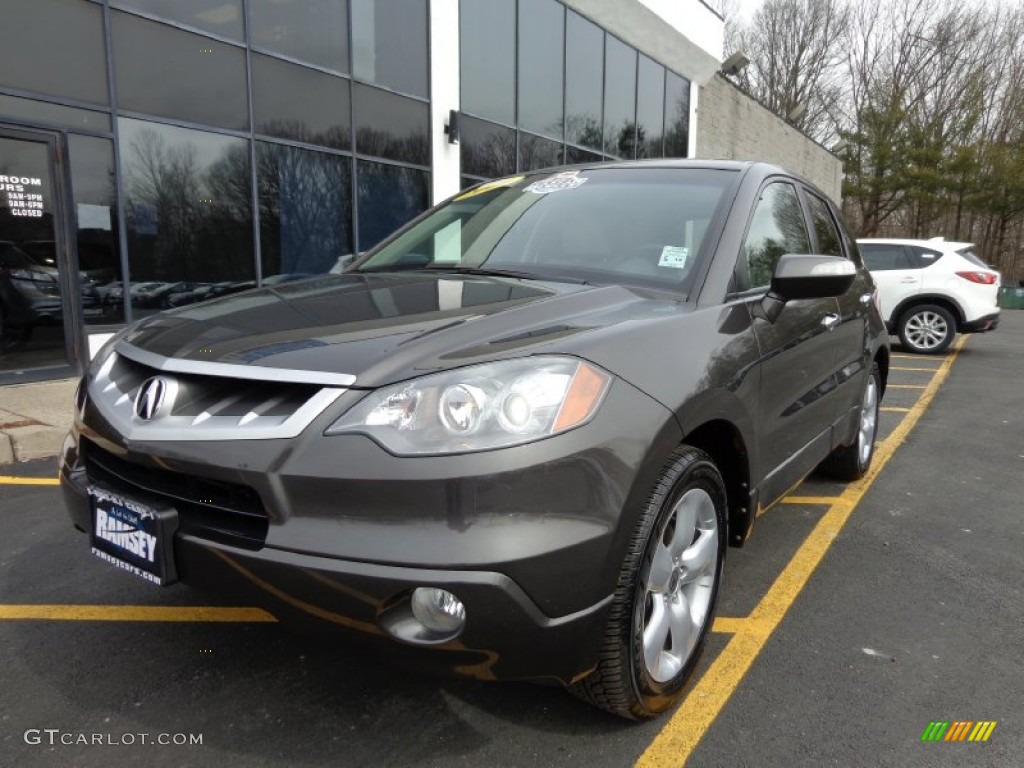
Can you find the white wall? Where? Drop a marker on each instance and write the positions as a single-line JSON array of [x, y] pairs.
[[444, 96]]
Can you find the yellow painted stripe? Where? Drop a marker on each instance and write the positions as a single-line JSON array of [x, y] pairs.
[[919, 358], [676, 741], [132, 613], [906, 386], [894, 409], [825, 500], [9, 480], [978, 730], [908, 368], [988, 731]]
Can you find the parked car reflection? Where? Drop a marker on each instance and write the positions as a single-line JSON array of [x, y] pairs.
[[30, 295]]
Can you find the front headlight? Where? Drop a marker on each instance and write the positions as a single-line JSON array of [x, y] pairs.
[[480, 407]]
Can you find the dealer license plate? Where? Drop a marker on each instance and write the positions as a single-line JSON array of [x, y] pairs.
[[134, 536]]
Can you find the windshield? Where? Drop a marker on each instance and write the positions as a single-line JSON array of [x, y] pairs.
[[598, 226]]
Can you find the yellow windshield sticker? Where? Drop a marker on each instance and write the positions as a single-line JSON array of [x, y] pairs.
[[487, 186]]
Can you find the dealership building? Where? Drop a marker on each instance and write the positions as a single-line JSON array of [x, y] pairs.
[[154, 153]]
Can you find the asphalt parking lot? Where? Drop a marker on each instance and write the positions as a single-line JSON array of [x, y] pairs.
[[854, 617]]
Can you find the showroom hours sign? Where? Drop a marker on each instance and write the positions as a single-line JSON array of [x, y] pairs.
[[23, 195]]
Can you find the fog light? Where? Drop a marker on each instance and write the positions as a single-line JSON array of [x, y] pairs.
[[438, 609]]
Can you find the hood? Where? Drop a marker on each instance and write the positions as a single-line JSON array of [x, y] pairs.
[[383, 328]]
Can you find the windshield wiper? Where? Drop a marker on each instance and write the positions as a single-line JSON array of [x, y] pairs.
[[489, 272]]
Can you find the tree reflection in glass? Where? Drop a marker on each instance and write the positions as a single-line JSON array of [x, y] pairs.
[[188, 212]]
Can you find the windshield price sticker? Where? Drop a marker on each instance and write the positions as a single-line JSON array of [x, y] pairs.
[[557, 183], [674, 256]]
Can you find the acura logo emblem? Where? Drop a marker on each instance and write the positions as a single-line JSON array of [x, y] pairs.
[[155, 395]]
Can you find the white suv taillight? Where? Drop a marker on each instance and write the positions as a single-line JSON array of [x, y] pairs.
[[984, 278]]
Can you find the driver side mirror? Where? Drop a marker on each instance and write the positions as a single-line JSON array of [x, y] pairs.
[[803, 276]]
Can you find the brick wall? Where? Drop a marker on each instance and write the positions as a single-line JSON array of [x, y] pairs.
[[733, 126]]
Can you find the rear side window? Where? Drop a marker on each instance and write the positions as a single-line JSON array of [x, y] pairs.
[[972, 257], [777, 228], [923, 257], [825, 229], [880, 257]]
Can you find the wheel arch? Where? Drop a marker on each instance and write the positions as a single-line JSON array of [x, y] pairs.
[[724, 443], [947, 303]]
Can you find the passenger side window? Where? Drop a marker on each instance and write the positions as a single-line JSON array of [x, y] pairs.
[[879, 258], [824, 227], [778, 227]]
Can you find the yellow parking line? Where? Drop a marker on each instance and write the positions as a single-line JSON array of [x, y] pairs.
[[826, 500], [679, 737], [908, 368], [9, 480], [133, 613], [907, 386], [920, 359], [894, 409]]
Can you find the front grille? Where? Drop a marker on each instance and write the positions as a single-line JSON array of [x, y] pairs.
[[230, 513]]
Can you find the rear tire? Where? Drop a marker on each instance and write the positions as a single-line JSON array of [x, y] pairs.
[[666, 595], [927, 329], [852, 462]]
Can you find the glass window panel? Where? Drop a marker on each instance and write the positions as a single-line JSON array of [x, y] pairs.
[[389, 44], [165, 71], [650, 108], [584, 73], [54, 47], [32, 270], [824, 227], [222, 17], [309, 30], [30, 109], [882, 257], [677, 115], [95, 222], [619, 99], [777, 227], [293, 102], [391, 126], [535, 152], [188, 213], [577, 155], [389, 196], [488, 58], [487, 149], [541, 44], [305, 200]]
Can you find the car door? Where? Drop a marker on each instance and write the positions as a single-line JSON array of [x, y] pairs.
[[797, 355], [849, 338], [895, 273]]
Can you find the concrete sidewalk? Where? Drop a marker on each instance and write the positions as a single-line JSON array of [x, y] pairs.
[[34, 418]]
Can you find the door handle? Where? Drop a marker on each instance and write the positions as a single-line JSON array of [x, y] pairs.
[[830, 321], [909, 280]]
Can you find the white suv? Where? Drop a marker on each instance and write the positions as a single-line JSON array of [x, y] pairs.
[[929, 290]]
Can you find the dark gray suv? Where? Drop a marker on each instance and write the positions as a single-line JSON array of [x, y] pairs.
[[517, 435]]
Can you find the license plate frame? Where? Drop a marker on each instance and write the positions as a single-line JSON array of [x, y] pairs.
[[133, 534]]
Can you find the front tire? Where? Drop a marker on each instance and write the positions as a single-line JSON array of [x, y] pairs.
[[667, 592], [927, 329]]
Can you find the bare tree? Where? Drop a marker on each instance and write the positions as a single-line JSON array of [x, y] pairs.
[[796, 61]]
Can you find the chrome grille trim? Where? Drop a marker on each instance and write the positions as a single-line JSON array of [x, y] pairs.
[[112, 389], [232, 370]]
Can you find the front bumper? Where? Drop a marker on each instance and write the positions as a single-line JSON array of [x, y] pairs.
[[531, 538]]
